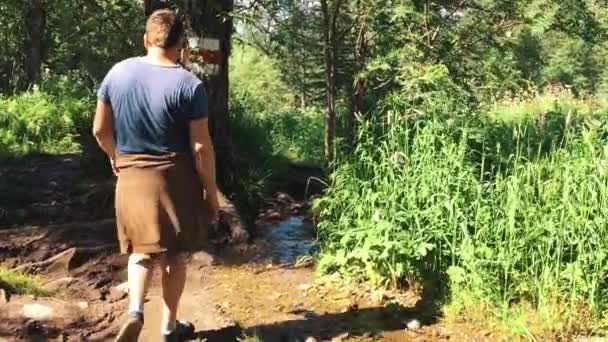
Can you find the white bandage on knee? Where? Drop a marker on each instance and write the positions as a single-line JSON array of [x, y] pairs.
[[140, 270]]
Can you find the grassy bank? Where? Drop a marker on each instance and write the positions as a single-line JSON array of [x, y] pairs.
[[22, 284], [508, 215], [37, 122]]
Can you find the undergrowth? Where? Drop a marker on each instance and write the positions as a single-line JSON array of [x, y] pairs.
[[21, 284], [36, 122], [510, 216]]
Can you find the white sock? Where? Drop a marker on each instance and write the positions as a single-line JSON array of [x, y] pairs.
[[170, 327], [136, 307]]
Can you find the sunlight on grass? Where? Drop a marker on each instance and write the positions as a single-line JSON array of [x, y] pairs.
[[254, 338], [533, 105], [19, 283]]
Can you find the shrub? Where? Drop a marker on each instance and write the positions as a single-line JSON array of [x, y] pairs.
[[509, 215], [19, 283], [37, 122]]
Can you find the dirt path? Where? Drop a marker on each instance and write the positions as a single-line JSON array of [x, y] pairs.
[[256, 290], [61, 229], [250, 290]]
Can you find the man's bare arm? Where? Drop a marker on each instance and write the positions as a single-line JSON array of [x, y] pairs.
[[204, 159], [103, 130]]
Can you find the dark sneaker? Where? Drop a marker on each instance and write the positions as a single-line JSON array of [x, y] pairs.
[[132, 328], [184, 331]]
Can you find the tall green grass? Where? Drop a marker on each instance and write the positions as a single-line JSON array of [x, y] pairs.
[[511, 217], [18, 283]]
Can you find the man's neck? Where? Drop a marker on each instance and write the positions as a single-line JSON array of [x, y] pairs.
[[162, 57]]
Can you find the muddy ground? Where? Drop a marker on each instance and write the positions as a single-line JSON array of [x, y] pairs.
[[57, 223]]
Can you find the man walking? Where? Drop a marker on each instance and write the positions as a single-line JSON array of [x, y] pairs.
[[151, 121]]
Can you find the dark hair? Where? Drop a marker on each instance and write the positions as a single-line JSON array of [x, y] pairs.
[[164, 28]]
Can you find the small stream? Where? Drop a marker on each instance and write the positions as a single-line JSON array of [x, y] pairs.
[[291, 239]]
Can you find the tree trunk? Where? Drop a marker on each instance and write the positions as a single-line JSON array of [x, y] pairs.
[[358, 95], [35, 20], [329, 57], [210, 19]]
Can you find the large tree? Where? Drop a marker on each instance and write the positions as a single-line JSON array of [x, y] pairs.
[[210, 19], [35, 19]]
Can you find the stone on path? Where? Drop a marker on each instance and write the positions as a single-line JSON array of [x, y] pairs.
[[3, 297], [37, 312], [124, 287], [118, 293], [204, 258], [413, 324], [341, 337]]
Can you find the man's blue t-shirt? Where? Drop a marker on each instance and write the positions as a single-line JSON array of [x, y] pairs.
[[153, 106]]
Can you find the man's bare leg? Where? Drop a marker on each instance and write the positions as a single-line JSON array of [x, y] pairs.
[[173, 281], [139, 270]]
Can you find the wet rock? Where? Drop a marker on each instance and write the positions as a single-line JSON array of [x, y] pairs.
[[37, 312], [204, 258], [116, 295], [231, 221], [413, 324], [274, 216], [284, 198], [124, 287]]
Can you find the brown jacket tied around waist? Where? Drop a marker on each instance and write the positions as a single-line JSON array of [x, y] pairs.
[[159, 204]]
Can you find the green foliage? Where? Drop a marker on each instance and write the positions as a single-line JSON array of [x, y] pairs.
[[265, 122], [88, 37], [11, 38], [296, 135], [38, 122], [267, 129], [508, 211], [256, 82], [18, 283], [571, 63], [82, 38]]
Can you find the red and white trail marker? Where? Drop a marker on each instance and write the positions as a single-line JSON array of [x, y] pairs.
[[209, 50]]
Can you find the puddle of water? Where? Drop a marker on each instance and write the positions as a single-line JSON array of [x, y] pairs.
[[290, 239]]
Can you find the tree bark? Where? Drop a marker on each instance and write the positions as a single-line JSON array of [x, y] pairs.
[[358, 95], [329, 21], [35, 20], [210, 19]]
